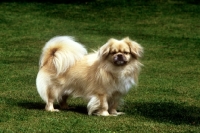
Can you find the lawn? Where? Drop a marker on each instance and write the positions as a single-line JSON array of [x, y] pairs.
[[167, 98]]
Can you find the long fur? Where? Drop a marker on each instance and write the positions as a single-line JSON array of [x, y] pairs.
[[102, 77]]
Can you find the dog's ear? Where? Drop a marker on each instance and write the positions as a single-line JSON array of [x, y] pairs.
[[105, 49], [135, 48]]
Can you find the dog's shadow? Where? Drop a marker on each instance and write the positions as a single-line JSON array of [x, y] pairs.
[[40, 106], [165, 112]]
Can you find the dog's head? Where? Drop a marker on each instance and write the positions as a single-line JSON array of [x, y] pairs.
[[120, 52]]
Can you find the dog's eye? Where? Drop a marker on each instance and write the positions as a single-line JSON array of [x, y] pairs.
[[114, 52], [126, 52]]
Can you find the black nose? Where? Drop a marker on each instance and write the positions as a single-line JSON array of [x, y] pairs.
[[119, 60], [120, 57]]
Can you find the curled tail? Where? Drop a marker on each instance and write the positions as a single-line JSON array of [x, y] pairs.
[[60, 53]]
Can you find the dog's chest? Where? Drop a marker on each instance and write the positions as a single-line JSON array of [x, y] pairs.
[[125, 84]]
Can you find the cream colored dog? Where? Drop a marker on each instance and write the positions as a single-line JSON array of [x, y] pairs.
[[102, 77]]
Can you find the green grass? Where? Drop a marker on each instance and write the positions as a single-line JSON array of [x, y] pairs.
[[167, 98]]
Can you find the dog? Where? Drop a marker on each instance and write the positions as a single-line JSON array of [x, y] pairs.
[[102, 78]]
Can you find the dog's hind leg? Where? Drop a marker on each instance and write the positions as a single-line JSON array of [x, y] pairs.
[[45, 90], [63, 102], [49, 107], [50, 100]]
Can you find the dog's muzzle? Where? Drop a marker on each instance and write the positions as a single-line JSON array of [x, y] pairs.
[[119, 59]]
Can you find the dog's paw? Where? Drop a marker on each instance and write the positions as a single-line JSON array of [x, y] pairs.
[[117, 113], [102, 113], [113, 112], [53, 110], [49, 107]]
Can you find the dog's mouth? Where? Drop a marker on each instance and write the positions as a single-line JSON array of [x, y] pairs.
[[119, 60]]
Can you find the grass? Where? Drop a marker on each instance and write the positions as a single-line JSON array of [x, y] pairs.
[[168, 96]]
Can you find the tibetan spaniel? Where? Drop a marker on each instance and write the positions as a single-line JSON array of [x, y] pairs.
[[101, 78]]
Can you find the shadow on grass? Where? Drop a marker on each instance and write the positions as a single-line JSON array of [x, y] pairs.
[[166, 112], [40, 106], [158, 111], [32, 105]]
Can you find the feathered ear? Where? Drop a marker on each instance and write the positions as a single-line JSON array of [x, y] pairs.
[[135, 48], [105, 49]]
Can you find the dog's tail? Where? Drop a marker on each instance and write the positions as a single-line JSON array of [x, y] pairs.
[[60, 53]]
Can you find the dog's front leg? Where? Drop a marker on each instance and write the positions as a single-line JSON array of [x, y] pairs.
[[98, 105], [113, 104]]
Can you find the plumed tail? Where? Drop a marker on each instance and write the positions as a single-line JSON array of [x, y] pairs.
[[60, 53]]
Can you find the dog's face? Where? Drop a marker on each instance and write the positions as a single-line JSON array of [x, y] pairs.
[[120, 52]]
